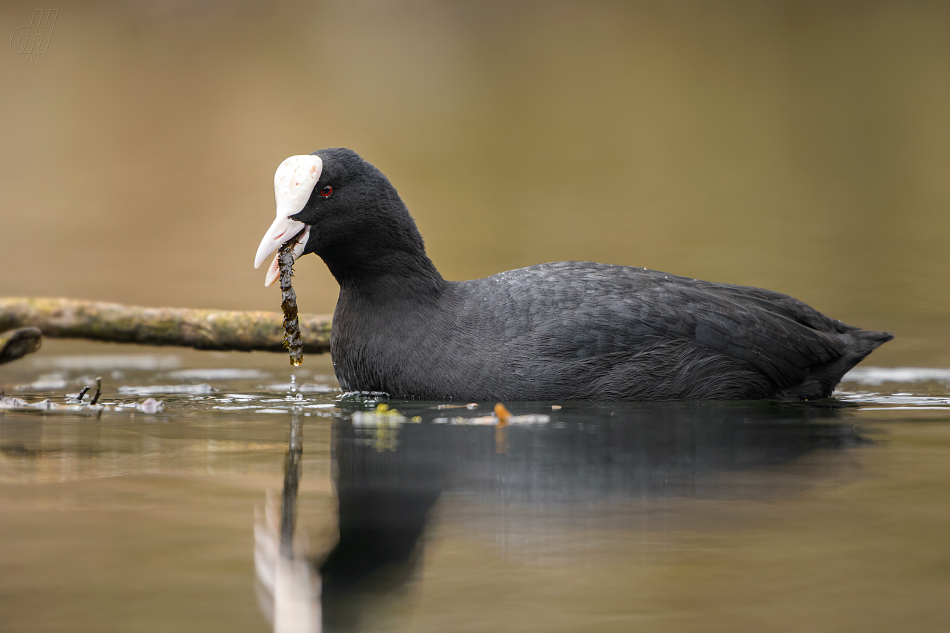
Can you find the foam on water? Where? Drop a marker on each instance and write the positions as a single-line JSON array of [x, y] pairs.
[[238, 388], [881, 375]]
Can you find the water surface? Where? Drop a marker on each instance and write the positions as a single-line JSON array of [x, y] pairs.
[[574, 517]]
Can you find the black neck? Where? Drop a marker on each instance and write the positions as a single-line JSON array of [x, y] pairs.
[[385, 259]]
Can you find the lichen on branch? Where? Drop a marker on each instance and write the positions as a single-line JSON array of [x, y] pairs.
[[200, 329]]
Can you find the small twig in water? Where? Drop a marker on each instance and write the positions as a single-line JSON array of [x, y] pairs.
[[82, 392], [95, 398], [18, 343]]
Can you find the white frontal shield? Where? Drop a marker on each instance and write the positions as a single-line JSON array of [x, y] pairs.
[[293, 184]]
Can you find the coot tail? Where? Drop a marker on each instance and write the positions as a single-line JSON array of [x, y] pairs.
[[821, 383]]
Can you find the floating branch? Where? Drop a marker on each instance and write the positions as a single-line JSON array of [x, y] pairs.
[[200, 329]]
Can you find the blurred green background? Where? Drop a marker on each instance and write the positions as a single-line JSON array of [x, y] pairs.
[[802, 146]]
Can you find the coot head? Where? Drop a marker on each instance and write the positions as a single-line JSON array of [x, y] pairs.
[[348, 212]]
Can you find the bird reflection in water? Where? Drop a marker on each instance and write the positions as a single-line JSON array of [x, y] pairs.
[[391, 470], [288, 589]]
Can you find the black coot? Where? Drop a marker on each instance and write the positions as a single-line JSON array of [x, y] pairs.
[[562, 331]]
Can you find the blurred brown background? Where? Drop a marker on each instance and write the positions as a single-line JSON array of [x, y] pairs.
[[801, 146]]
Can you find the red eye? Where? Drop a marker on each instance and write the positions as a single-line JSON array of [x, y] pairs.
[[326, 191]]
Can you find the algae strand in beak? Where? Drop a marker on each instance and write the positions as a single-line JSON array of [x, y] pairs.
[[292, 340]]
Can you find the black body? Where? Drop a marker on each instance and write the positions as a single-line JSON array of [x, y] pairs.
[[562, 331]]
